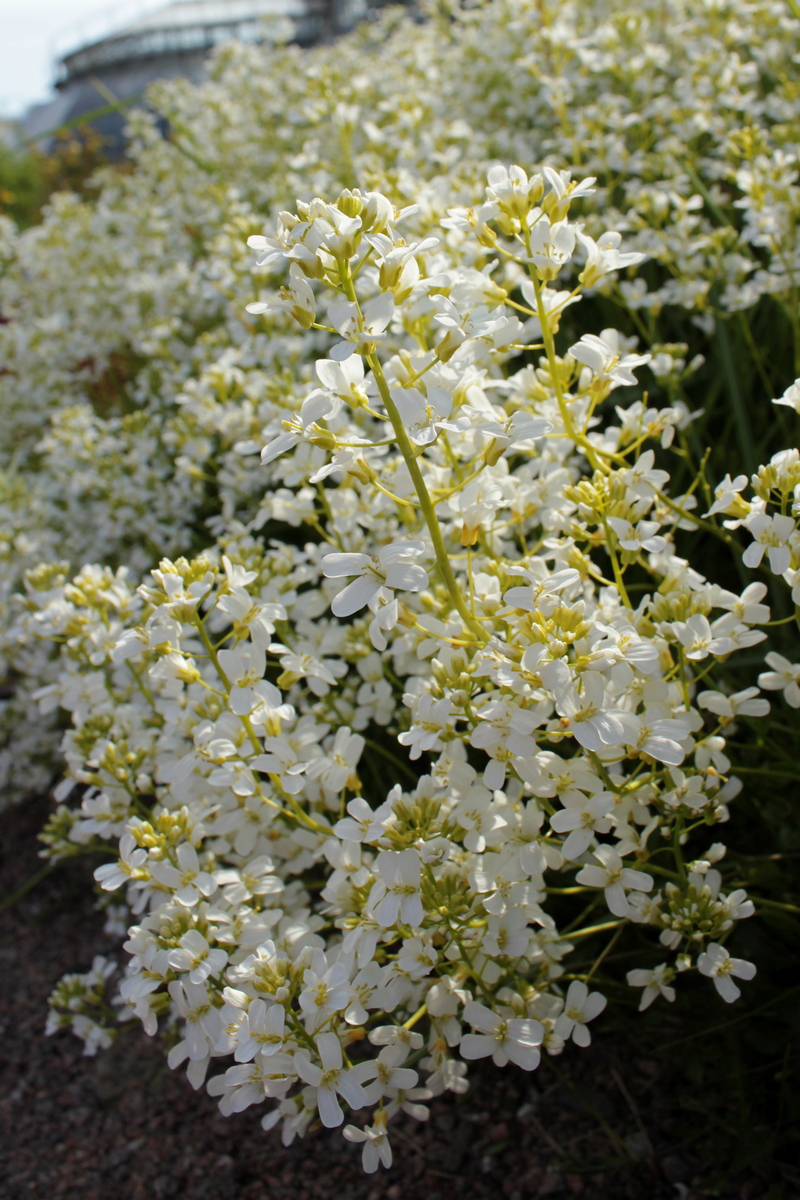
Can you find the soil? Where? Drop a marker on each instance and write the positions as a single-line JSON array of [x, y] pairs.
[[122, 1125]]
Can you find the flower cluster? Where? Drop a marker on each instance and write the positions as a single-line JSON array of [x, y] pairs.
[[464, 593], [124, 400], [361, 559]]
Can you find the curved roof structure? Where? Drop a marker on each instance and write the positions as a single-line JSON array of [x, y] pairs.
[[172, 41], [190, 27]]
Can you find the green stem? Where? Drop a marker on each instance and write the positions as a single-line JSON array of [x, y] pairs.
[[676, 847], [418, 1015], [425, 502], [604, 953], [777, 904], [550, 351], [590, 929], [612, 554], [27, 886], [410, 457], [700, 522]]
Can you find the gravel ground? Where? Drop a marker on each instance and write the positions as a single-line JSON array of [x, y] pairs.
[[121, 1125]]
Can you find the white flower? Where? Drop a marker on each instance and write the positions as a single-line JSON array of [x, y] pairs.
[[655, 982], [431, 719], [614, 878], [417, 959], [580, 1006], [748, 606], [509, 187], [583, 714], [771, 533], [250, 617], [727, 708], [317, 406], [659, 737], [389, 1077], [202, 1022], [338, 766], [396, 893], [604, 256], [506, 1040], [376, 1150], [364, 824], [194, 954], [332, 1080], [127, 867], [643, 478], [506, 432], [727, 498], [392, 567], [188, 882], [262, 1031], [296, 298], [360, 334], [601, 356], [325, 993], [344, 379], [507, 935], [424, 416], [641, 536], [403, 1041], [699, 640], [476, 505], [784, 676], [244, 667], [551, 244], [717, 963], [483, 821], [250, 1082], [791, 397], [581, 818]]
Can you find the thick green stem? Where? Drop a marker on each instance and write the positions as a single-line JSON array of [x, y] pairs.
[[425, 502], [407, 451]]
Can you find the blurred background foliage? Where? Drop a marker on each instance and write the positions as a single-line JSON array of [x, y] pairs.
[[28, 176]]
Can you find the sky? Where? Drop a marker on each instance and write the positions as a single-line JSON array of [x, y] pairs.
[[32, 31]]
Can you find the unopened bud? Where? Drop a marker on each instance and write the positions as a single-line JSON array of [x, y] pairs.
[[362, 471], [350, 203], [322, 438]]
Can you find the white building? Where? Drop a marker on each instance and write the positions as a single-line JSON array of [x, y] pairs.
[[174, 40]]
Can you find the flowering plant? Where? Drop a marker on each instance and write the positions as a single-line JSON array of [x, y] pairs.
[[422, 541], [286, 914]]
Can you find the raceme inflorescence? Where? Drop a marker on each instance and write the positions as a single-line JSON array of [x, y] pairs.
[[556, 735]]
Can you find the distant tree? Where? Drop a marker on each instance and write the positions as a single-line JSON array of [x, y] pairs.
[[28, 177]]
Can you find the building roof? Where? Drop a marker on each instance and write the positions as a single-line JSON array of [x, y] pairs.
[[185, 27]]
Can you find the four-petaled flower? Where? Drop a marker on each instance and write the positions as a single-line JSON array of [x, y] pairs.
[[396, 893], [614, 879], [332, 1079], [507, 1039], [717, 963], [655, 982], [393, 567], [580, 1006]]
